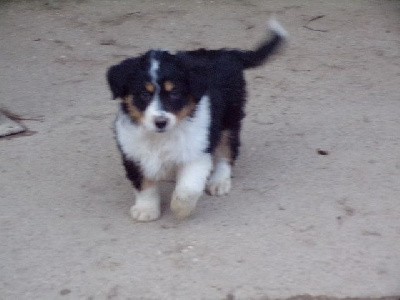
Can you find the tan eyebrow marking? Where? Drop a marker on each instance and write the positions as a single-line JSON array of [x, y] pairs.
[[150, 87], [169, 86]]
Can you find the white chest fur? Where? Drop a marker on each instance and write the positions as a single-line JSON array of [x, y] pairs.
[[158, 153]]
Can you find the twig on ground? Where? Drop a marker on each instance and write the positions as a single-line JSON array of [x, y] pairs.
[[17, 118], [313, 19]]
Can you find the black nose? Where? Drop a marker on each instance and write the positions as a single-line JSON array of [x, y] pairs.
[[161, 122]]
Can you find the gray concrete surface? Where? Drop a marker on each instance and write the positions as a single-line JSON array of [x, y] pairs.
[[295, 223]]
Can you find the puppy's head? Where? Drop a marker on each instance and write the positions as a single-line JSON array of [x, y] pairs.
[[154, 89]]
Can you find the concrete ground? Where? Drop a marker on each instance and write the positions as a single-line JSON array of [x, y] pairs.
[[297, 222]]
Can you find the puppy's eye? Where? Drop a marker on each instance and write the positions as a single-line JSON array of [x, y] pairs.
[[145, 96], [175, 95]]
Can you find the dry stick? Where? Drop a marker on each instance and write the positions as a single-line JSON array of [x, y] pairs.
[[17, 118], [313, 19]]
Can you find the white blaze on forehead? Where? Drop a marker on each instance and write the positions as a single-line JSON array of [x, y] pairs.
[[154, 109], [154, 66], [153, 73]]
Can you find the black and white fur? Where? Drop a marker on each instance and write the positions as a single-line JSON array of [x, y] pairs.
[[182, 112]]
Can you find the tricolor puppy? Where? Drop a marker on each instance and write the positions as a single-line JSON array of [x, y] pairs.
[[182, 112]]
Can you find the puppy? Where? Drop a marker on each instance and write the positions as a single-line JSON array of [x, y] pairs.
[[182, 112]]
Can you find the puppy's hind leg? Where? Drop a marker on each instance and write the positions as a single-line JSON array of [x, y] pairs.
[[219, 182], [147, 205]]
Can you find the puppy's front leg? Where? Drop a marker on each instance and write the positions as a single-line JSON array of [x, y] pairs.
[[147, 205], [191, 180]]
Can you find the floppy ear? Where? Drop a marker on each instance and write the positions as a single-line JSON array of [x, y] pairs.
[[197, 73], [118, 75], [198, 80], [116, 81]]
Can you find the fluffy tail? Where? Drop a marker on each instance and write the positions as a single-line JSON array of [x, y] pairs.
[[255, 58]]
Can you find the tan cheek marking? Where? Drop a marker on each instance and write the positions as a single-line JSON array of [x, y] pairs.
[[169, 86], [150, 87], [223, 149], [134, 112], [186, 111]]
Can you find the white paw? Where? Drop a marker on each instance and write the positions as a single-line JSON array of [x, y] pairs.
[[145, 213], [219, 187], [219, 182], [183, 204]]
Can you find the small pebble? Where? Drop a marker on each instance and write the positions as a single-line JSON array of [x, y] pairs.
[[65, 292], [322, 152]]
